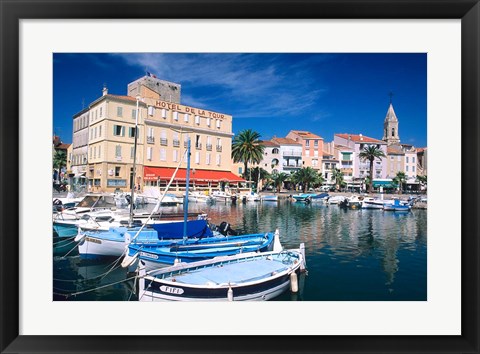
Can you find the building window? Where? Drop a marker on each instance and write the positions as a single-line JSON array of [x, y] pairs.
[[207, 158], [275, 151], [118, 130], [240, 170], [175, 155], [197, 120], [393, 131], [307, 153], [119, 111], [406, 158], [208, 122], [163, 155], [134, 113], [413, 159], [406, 168], [100, 151], [117, 171], [164, 113], [101, 112], [218, 123], [131, 132], [307, 143], [399, 158], [175, 115], [315, 143], [118, 152], [149, 153], [197, 157], [219, 159], [413, 168], [186, 117], [315, 153], [100, 131], [95, 133], [94, 152]]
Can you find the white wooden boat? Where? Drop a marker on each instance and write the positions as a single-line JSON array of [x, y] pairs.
[[199, 197], [242, 277], [269, 198]]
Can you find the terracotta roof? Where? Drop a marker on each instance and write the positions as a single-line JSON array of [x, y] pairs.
[[269, 143], [360, 138], [285, 141], [395, 150], [305, 134], [62, 146], [421, 149], [121, 97], [342, 147]]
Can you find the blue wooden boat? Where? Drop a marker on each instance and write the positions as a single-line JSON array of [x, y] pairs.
[[112, 243], [162, 254], [397, 206], [242, 277]]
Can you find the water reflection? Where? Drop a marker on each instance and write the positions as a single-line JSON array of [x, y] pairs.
[[351, 254]]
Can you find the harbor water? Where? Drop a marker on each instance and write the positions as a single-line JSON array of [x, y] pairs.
[[352, 255]]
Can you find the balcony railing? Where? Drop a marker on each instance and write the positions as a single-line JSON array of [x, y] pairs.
[[176, 143], [219, 148], [290, 167], [164, 142], [198, 146], [150, 139], [208, 147], [292, 153]]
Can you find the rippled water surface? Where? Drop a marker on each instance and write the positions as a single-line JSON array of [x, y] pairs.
[[351, 254]]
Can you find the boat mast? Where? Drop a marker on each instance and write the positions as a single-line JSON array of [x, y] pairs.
[[185, 203], [132, 201]]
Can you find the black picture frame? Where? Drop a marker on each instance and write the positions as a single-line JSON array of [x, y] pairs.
[[12, 11]]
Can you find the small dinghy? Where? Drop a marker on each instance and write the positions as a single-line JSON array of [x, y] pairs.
[[242, 277]]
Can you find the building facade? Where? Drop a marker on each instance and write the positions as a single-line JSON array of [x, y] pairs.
[[290, 154], [105, 140], [350, 160], [312, 148]]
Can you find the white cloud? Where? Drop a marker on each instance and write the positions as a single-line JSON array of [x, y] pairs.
[[257, 85]]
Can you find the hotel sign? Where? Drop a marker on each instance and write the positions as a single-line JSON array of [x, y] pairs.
[[189, 110]]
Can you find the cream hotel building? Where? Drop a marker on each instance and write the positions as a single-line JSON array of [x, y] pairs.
[[104, 135]]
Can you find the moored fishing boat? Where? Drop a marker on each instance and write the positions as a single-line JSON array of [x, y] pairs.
[[163, 254], [199, 197], [397, 206], [242, 277], [269, 198]]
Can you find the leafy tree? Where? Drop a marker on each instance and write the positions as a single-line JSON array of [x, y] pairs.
[[59, 160], [400, 179], [257, 173], [246, 148], [422, 180], [370, 153], [278, 179], [337, 176], [306, 176]]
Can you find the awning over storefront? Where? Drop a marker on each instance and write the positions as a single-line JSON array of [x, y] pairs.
[[155, 173], [383, 183]]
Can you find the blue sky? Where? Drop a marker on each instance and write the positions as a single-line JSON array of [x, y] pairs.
[[271, 93]]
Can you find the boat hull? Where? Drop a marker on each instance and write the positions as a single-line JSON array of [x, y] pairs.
[[248, 277]]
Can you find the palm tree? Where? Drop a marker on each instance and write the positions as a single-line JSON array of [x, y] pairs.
[[370, 153], [246, 148], [278, 179], [257, 174], [400, 179], [306, 176], [422, 180], [59, 160], [337, 176], [319, 180]]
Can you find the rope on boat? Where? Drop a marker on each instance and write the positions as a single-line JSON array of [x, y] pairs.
[[67, 295], [73, 249]]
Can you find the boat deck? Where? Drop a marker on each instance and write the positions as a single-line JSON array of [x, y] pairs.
[[233, 273]]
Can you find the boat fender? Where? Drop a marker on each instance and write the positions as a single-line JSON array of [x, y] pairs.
[[129, 260], [293, 282], [80, 237], [230, 294]]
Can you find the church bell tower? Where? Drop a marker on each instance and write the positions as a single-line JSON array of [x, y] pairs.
[[390, 127]]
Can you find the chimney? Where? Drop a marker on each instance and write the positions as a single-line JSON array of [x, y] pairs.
[[361, 137], [105, 90]]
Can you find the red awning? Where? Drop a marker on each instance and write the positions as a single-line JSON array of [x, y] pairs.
[[154, 173]]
